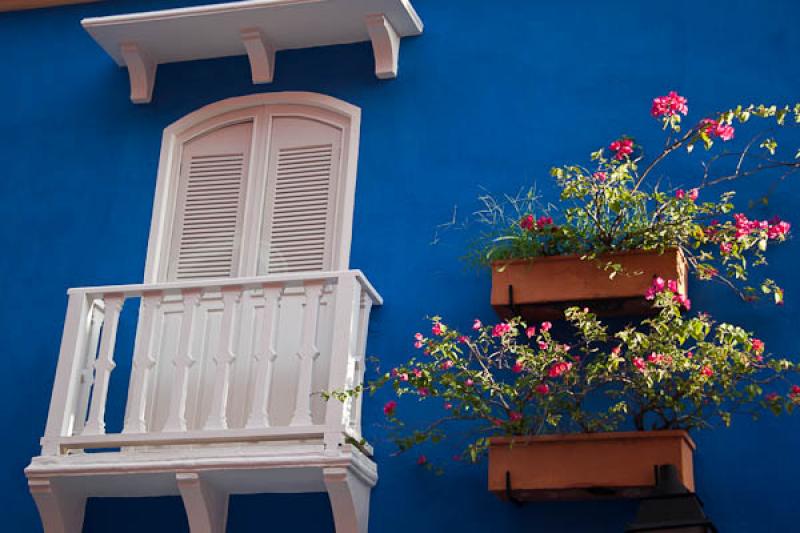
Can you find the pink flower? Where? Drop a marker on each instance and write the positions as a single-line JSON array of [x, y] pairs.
[[417, 373], [794, 392], [621, 148], [501, 329], [542, 388], [600, 176], [448, 405], [757, 345], [544, 221], [389, 407], [463, 339], [714, 128], [477, 325], [638, 362], [417, 344], [656, 287], [437, 329], [771, 397], [447, 364], [694, 194], [616, 350], [707, 371], [689, 354], [546, 326], [680, 194], [530, 332], [683, 300], [518, 366], [669, 105], [526, 222], [655, 358], [469, 383], [423, 391], [559, 369], [725, 248], [418, 336], [403, 376], [672, 286], [421, 460], [514, 416], [778, 228], [543, 345]]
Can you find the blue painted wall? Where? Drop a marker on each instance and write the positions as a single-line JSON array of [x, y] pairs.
[[491, 96]]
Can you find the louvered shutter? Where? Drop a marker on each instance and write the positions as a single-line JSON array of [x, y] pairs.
[[302, 173], [210, 201]]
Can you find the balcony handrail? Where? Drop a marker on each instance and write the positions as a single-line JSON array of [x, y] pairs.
[[138, 289]]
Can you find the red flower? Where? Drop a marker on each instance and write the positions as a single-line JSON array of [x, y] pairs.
[[680, 194], [421, 460], [714, 128], [447, 364], [600, 176], [501, 329], [389, 407], [669, 105], [526, 222], [757, 345], [559, 369], [621, 148], [544, 221], [437, 329], [546, 326], [530, 332], [638, 362], [707, 371], [694, 194], [517, 368], [542, 388]]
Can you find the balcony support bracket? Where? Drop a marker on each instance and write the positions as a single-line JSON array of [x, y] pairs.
[[61, 511], [349, 495], [206, 506]]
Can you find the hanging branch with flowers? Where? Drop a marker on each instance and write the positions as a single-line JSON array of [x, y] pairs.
[[671, 371], [607, 207]]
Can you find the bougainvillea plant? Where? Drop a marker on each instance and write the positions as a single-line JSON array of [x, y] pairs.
[[671, 371], [610, 205]]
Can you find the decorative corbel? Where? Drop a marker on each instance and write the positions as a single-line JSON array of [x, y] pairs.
[[141, 70], [385, 45], [261, 54], [206, 506]]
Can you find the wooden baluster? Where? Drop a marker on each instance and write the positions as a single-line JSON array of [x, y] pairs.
[[176, 419], [343, 346], [308, 353], [224, 357], [265, 355], [143, 362], [93, 328], [104, 365]]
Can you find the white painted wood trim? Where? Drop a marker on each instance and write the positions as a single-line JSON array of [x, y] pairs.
[[261, 54], [385, 45], [206, 506], [349, 496], [60, 510], [141, 71]]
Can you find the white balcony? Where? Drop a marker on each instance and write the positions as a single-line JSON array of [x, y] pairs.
[[222, 397]]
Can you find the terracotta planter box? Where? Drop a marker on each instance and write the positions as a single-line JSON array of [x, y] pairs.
[[542, 288], [587, 465]]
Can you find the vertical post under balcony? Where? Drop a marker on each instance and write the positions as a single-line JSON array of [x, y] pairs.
[[265, 355], [176, 418], [308, 352], [104, 365], [143, 362], [348, 298], [224, 357]]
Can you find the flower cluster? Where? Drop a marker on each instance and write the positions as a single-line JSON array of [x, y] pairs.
[[671, 371], [608, 207], [659, 286]]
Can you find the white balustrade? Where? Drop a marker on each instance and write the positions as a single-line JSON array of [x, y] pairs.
[[237, 360]]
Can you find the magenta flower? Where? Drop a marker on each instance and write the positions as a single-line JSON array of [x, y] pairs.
[[707, 371], [680, 194], [714, 128], [638, 362], [389, 407], [543, 345], [684, 301], [501, 329], [517, 368], [526, 222], [757, 345], [694, 194], [515, 416], [725, 248], [469, 382], [477, 324], [448, 405], [559, 369], [463, 339], [669, 105], [422, 460], [600, 176], [621, 148], [794, 392], [530, 331], [546, 326], [447, 364], [771, 397], [542, 388], [437, 329], [544, 221]]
